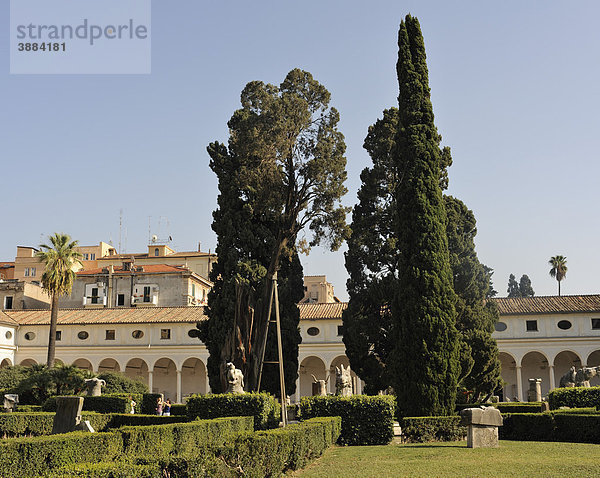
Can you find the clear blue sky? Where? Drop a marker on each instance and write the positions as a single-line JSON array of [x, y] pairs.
[[515, 88]]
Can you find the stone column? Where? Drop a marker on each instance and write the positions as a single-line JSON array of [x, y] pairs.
[[297, 394], [178, 399], [206, 381], [150, 380], [552, 379], [519, 384]]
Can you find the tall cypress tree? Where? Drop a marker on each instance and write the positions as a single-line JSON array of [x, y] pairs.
[[425, 361]]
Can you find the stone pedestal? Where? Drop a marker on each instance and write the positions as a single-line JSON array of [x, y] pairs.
[[482, 426], [68, 414], [534, 394]]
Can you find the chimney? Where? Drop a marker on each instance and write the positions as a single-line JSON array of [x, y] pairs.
[[199, 250]]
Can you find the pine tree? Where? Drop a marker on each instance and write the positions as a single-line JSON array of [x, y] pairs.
[[525, 288], [282, 171], [513, 287], [425, 361]]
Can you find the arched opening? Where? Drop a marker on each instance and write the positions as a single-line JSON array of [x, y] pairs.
[[5, 363], [535, 365], [508, 370], [311, 366], [563, 362], [594, 361], [164, 378], [137, 369], [83, 364], [337, 362], [193, 377], [109, 365], [58, 362], [28, 362]]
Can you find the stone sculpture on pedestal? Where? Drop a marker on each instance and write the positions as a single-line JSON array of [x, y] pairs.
[[534, 394], [10, 402], [68, 416]]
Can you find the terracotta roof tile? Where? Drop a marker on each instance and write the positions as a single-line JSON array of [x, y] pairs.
[[322, 310], [129, 315], [548, 304], [7, 319]]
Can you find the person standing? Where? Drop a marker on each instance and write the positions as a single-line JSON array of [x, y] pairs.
[[159, 406], [167, 410]]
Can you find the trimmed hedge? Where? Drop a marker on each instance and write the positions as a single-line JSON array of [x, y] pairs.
[[426, 429], [111, 470], [178, 409], [110, 403], [574, 397], [25, 457], [35, 424], [158, 441], [562, 426], [519, 407], [366, 420], [262, 406], [149, 403]]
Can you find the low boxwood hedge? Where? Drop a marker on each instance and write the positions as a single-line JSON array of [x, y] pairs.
[[519, 407], [574, 397], [149, 403], [35, 424], [426, 429], [37, 456], [262, 406], [178, 409], [183, 438], [366, 420], [561, 426], [111, 470]]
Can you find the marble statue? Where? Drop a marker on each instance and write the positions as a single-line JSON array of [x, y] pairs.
[[319, 386], [579, 378], [343, 381], [94, 386], [235, 379], [10, 401]]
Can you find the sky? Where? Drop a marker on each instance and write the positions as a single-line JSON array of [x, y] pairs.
[[515, 89]]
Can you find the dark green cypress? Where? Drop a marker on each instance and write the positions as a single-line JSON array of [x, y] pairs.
[[425, 361]]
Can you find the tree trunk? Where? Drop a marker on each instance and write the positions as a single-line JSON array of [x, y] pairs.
[[558, 288], [261, 326], [52, 335]]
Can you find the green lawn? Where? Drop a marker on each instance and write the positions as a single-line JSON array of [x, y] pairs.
[[512, 459]]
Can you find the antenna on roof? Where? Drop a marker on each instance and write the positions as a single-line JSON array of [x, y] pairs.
[[120, 228]]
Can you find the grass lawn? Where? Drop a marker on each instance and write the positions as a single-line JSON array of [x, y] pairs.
[[516, 459]]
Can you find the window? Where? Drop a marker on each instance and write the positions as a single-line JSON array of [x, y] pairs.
[[193, 333], [85, 256], [8, 302], [147, 293], [156, 252], [313, 331], [8, 334], [595, 324], [194, 291], [33, 271], [564, 325], [83, 335], [94, 295], [137, 334], [340, 330], [30, 336], [120, 299], [165, 334], [110, 334], [531, 325], [92, 257], [26, 274], [500, 326], [58, 335]]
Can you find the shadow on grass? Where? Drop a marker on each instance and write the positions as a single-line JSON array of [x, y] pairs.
[[423, 445]]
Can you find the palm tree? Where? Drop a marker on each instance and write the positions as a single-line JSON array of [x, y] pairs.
[[57, 279], [559, 269]]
